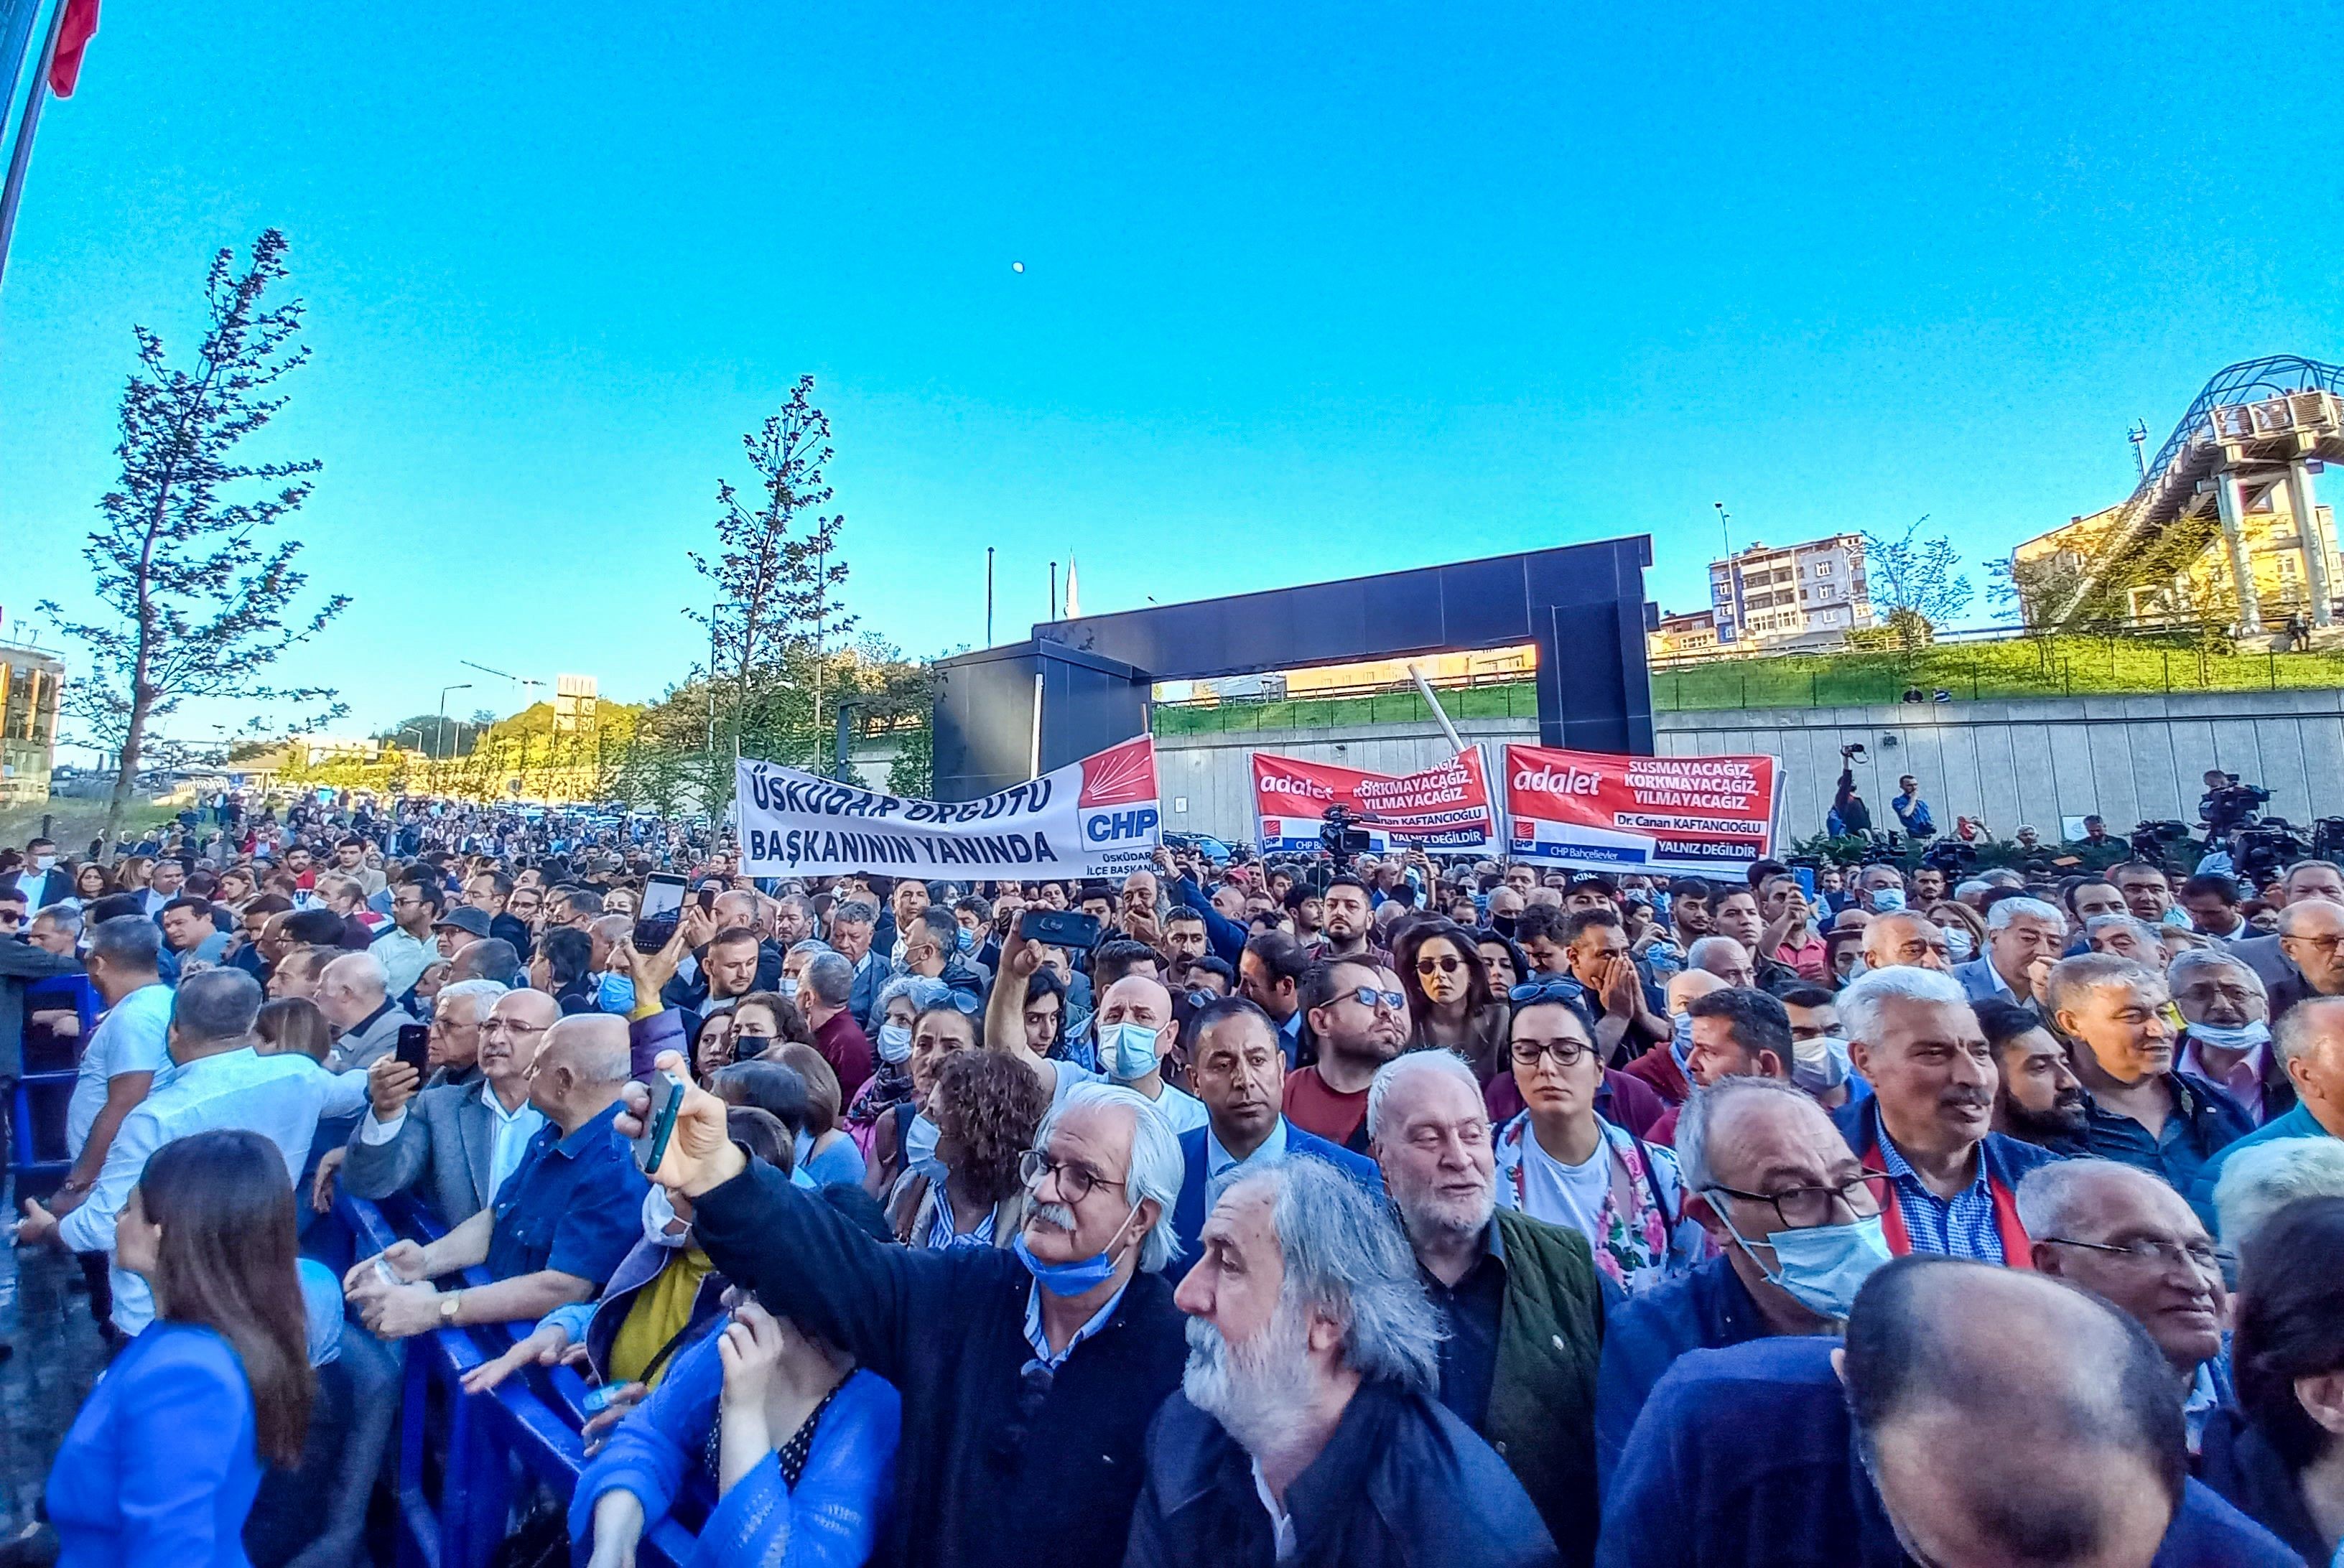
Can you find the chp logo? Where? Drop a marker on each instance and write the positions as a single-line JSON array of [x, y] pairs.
[[1117, 799]]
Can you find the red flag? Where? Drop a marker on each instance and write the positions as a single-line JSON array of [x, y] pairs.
[[74, 29]]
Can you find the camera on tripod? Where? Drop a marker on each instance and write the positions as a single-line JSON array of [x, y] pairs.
[[2232, 807], [2264, 846], [1951, 857], [1340, 834], [2149, 838]]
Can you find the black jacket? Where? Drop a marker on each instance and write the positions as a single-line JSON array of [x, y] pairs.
[[2236, 1461], [1402, 1484], [21, 964], [976, 1482]]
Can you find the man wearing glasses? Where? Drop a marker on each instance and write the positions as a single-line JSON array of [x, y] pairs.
[[2128, 1239], [1796, 1222], [1029, 1373], [455, 1143], [1358, 1016], [2311, 938]]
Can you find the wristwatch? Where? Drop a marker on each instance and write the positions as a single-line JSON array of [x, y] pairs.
[[448, 1307]]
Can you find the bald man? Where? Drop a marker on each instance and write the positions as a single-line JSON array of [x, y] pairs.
[[1904, 940], [354, 993], [1135, 1033], [2311, 940], [560, 1224], [1974, 1416]]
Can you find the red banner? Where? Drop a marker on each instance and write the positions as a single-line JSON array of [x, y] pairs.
[[1443, 807], [1676, 816]]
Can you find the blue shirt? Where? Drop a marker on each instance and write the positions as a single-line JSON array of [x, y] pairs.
[[159, 1466], [1705, 1309], [2297, 1123], [1964, 1228], [2201, 1122], [1745, 1458], [574, 1206]]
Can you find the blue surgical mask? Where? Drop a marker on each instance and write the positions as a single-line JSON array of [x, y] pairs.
[[1886, 900], [920, 1149], [894, 1042], [1959, 949], [1076, 1277], [2246, 1037], [1822, 1267], [1127, 1050], [616, 994], [967, 940], [1819, 1066], [1680, 1042], [789, 986]]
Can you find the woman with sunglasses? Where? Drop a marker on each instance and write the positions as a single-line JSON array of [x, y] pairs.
[[1562, 1163], [1451, 1004]]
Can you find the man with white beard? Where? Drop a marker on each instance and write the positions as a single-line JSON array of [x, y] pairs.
[[1309, 1430]]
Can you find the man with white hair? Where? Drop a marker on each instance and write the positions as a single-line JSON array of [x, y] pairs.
[[2137, 1110], [1928, 1122], [455, 1143], [354, 993], [1523, 1301], [2267, 1178], [1307, 1429], [1029, 1373], [1723, 956], [825, 992], [2124, 937], [2019, 934]]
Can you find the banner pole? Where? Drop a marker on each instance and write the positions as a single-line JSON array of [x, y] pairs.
[[1439, 714], [1034, 744]]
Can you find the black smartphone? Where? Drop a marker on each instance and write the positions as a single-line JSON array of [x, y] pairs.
[[1068, 928], [658, 1121], [708, 898], [663, 906], [414, 1047]]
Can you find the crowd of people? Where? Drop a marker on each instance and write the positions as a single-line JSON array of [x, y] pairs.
[[1391, 1212]]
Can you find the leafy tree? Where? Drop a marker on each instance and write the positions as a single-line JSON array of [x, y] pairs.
[[774, 574], [194, 607], [1914, 582]]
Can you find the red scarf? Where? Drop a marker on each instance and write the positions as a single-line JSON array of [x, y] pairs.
[[2017, 1247]]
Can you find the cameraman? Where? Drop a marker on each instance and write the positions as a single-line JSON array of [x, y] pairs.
[[1847, 807], [2227, 804]]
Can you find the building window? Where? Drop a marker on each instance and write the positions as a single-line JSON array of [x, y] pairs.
[[1823, 569]]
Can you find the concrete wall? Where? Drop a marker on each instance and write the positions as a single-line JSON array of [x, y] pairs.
[[2125, 757]]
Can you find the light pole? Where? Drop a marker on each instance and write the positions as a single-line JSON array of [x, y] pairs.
[[1733, 572], [440, 745]]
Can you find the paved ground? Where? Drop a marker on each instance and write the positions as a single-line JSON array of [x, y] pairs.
[[58, 1355]]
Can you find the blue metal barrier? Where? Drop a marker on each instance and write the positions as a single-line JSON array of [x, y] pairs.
[[489, 1437], [37, 1118]]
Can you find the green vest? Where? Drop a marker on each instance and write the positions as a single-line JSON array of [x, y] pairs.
[[1542, 1416]]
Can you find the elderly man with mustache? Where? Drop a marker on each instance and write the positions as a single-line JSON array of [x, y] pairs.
[[1952, 1180]]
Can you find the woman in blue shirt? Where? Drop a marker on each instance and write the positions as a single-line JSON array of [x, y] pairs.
[[160, 1466], [800, 1443]]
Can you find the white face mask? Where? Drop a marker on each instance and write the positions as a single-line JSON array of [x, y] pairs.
[[895, 1041], [663, 1226]]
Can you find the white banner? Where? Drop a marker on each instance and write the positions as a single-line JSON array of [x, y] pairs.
[[1094, 818]]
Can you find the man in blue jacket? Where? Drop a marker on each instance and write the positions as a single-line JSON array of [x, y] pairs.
[[1236, 1068], [1976, 1415]]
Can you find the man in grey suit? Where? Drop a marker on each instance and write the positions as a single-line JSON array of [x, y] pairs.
[[456, 1142], [2305, 881], [2020, 933]]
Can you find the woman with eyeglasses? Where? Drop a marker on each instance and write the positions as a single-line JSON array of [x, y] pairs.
[[1451, 1004], [1562, 1163], [906, 1137]]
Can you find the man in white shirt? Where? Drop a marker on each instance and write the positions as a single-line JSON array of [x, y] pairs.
[[219, 1082], [125, 1051], [406, 946]]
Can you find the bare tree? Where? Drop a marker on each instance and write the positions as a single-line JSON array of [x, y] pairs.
[[196, 606]]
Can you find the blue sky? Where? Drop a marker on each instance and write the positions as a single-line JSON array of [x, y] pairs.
[[1310, 289]]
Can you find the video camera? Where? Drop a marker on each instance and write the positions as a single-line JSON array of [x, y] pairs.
[[2264, 846], [1950, 856], [2148, 840], [1339, 837], [2231, 806]]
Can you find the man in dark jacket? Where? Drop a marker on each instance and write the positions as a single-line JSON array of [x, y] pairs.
[[1029, 1374], [1307, 1433], [1976, 1415], [1525, 1308]]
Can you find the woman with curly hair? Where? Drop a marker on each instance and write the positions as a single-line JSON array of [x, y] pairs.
[[1449, 1002], [986, 1107], [764, 1018]]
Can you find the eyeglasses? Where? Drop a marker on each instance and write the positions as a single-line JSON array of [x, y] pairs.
[[2202, 1256], [505, 1026], [2325, 944], [1567, 1053], [1368, 996], [1557, 987], [1804, 1208], [1074, 1181], [1448, 964]]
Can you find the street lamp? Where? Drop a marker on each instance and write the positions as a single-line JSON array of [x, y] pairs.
[[461, 686]]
